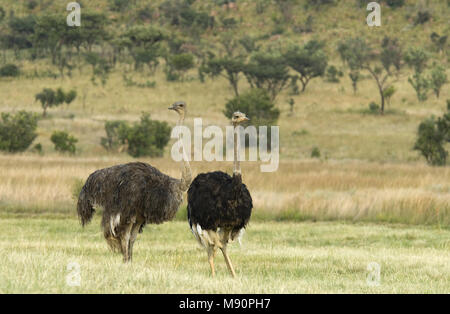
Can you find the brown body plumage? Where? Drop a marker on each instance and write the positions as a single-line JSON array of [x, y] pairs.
[[132, 195]]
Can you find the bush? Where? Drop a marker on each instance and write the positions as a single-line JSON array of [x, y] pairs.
[[118, 5], [315, 153], [430, 143], [64, 142], [395, 3], [333, 74], [31, 4], [422, 17], [2, 14], [179, 64], [9, 70], [147, 138], [374, 108], [258, 106], [18, 131], [116, 132]]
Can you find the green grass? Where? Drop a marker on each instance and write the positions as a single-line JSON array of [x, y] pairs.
[[274, 258]]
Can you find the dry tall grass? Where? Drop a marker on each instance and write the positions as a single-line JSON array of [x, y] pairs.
[[349, 190]]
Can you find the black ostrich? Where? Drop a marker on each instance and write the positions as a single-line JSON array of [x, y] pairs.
[[220, 206], [133, 195]]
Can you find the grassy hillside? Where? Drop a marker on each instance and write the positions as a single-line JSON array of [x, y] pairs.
[[367, 169]]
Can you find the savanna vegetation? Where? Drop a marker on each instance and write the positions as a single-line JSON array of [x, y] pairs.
[[364, 137]]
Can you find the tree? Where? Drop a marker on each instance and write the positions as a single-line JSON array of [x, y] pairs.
[[258, 106], [64, 142], [9, 70], [100, 67], [438, 79], [116, 133], [438, 41], [388, 93], [230, 68], [147, 138], [18, 131], [309, 61], [180, 64], [50, 34], [430, 143], [268, 71], [143, 43], [50, 98], [358, 55], [355, 77], [417, 59]]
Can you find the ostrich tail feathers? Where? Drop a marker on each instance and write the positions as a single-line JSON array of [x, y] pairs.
[[84, 208]]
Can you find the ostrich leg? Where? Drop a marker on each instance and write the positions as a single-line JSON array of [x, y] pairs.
[[211, 253], [134, 233], [125, 242], [227, 260]]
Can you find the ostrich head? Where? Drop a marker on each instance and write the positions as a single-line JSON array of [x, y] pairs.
[[180, 108], [238, 118]]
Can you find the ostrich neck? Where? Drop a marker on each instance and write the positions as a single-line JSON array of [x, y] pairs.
[[237, 163], [186, 176]]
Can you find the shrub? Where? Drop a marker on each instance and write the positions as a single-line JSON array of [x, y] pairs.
[[422, 17], [438, 79], [179, 64], [374, 108], [31, 4], [2, 14], [116, 132], [9, 70], [430, 141], [146, 138], [38, 148], [257, 105], [18, 131], [395, 3], [333, 74], [118, 5], [315, 153], [64, 142]]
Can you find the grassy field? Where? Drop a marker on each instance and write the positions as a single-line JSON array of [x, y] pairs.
[[317, 223], [299, 190], [326, 257]]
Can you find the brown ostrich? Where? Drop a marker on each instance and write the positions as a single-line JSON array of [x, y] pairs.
[[133, 195]]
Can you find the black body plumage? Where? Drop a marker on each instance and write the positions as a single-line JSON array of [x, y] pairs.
[[218, 200]]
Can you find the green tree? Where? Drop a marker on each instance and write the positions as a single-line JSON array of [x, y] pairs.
[[438, 79], [417, 59], [116, 135], [269, 71], [309, 61], [358, 55], [430, 143], [64, 142], [180, 64], [146, 138], [258, 106], [18, 131], [143, 43], [230, 68], [50, 98]]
